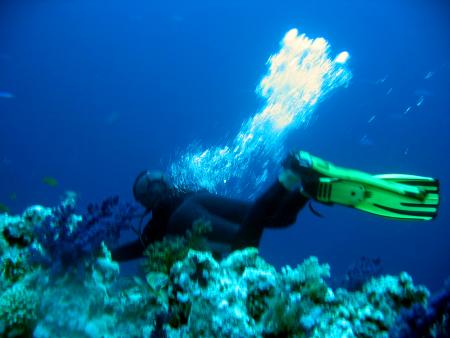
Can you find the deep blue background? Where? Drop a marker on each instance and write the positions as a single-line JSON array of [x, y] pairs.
[[104, 89]]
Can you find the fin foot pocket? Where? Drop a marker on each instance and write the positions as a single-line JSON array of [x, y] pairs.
[[399, 196]]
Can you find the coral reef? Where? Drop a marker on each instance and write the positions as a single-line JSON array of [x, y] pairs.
[[18, 230], [243, 296], [186, 291], [430, 321], [13, 265], [103, 310], [18, 311]]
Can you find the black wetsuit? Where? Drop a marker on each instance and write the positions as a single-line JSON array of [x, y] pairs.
[[235, 224]]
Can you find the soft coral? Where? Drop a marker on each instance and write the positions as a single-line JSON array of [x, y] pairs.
[[66, 239]]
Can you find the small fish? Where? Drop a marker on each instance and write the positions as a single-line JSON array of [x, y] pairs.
[[389, 91], [428, 75], [405, 152], [3, 208], [50, 181], [382, 80], [420, 101], [366, 141], [371, 119], [6, 95], [407, 110]]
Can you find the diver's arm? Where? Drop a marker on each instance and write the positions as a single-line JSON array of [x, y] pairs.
[[276, 207], [153, 231]]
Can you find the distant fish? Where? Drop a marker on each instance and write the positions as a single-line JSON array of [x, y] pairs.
[[366, 141], [406, 111], [3, 209], [405, 152], [6, 95], [428, 75], [382, 80], [389, 91], [50, 181], [420, 101], [13, 196], [371, 119]]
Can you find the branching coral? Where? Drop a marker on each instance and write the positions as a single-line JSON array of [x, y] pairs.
[[13, 265], [18, 311], [108, 307], [243, 296], [65, 239]]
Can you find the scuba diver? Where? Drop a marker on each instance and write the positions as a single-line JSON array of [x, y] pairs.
[[237, 224]]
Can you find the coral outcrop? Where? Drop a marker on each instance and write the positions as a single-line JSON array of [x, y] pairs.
[[184, 291]]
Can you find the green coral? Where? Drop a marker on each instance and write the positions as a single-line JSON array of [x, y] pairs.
[[14, 265], [372, 311], [163, 254], [18, 311], [308, 278], [214, 297], [243, 296], [261, 287], [396, 291], [293, 307], [389, 294], [8, 224], [18, 230]]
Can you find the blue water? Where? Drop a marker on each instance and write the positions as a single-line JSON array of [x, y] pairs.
[[92, 92]]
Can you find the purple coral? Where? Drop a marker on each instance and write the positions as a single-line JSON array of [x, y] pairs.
[[360, 272], [68, 242], [431, 321]]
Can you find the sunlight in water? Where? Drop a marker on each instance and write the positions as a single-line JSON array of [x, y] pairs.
[[300, 75]]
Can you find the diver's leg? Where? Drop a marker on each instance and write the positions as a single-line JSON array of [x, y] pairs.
[[276, 207], [230, 209]]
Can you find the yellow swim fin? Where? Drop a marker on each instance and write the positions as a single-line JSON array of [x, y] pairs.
[[399, 196]]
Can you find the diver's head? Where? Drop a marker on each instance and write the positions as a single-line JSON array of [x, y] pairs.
[[150, 187]]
